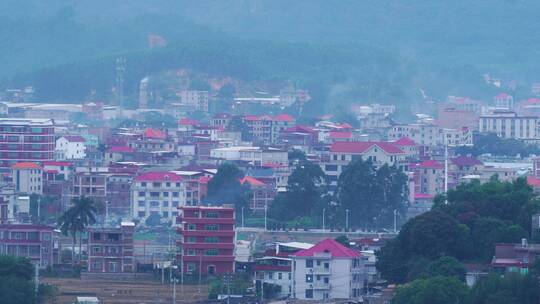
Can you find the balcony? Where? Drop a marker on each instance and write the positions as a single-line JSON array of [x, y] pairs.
[[321, 270], [321, 285], [207, 220], [187, 233], [208, 258], [208, 246]]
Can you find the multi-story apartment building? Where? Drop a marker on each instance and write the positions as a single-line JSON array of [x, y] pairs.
[[118, 196], [267, 129], [508, 124], [24, 140], [110, 249], [431, 135], [428, 177], [27, 178], [379, 153], [91, 184], [36, 242], [263, 194], [274, 267], [504, 101], [328, 270], [254, 155], [198, 100], [157, 192], [206, 239], [70, 147]]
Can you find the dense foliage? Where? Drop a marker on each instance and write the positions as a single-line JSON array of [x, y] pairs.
[[440, 290], [225, 187], [495, 145], [16, 275], [467, 227], [371, 195]]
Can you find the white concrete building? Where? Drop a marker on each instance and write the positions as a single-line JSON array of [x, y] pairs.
[[328, 270], [70, 147], [508, 124], [27, 178], [255, 155], [157, 192]]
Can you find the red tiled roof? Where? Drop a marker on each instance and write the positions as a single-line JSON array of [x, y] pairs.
[[430, 164], [252, 181], [405, 141], [340, 135], [299, 129], [121, 149], [466, 161], [423, 196], [188, 122], [158, 176], [502, 96], [532, 100], [153, 133], [336, 249], [533, 181], [26, 165], [251, 117], [57, 163], [74, 138], [345, 126], [284, 117], [363, 146]]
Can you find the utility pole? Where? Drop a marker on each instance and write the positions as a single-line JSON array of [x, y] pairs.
[[36, 278], [347, 220], [395, 220], [38, 210], [446, 169], [242, 217], [228, 276], [200, 271], [323, 211], [265, 211]]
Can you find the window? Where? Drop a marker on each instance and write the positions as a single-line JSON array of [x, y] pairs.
[[142, 193], [165, 214], [212, 227], [154, 204], [279, 276], [211, 239], [191, 267], [165, 194], [309, 293], [96, 249], [331, 167], [309, 263], [175, 203], [175, 194], [309, 278], [141, 204], [167, 184], [212, 214], [191, 252], [165, 204], [156, 185], [141, 214], [191, 239], [211, 252], [143, 184], [96, 236], [191, 227], [154, 194]]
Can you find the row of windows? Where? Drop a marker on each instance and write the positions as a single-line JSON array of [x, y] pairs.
[[208, 239], [156, 194], [157, 184], [163, 214], [156, 204], [208, 252]]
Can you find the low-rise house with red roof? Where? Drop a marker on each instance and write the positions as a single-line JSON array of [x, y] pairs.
[[299, 137], [461, 166], [62, 169], [27, 178], [153, 140], [379, 153], [158, 192], [515, 257], [70, 147], [328, 270], [408, 146], [263, 194]]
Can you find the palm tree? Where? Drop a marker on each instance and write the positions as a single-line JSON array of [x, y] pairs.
[[76, 219]]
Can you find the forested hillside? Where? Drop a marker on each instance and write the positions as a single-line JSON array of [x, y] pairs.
[[362, 50]]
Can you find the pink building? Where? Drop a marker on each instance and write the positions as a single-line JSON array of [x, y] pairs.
[[206, 242], [36, 242]]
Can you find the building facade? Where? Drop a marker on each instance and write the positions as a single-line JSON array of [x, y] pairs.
[[110, 249], [508, 124], [27, 178], [23, 140], [206, 240], [70, 147], [328, 270], [36, 242]]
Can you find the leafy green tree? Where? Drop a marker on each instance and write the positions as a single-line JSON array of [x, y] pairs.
[[371, 195], [225, 187], [304, 190], [446, 266], [440, 290], [344, 240], [16, 276], [75, 220], [154, 219], [510, 288]]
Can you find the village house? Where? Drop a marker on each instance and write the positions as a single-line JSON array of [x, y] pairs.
[[70, 147], [110, 250]]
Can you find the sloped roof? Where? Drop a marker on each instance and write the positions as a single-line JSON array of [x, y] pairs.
[[26, 165], [363, 146], [430, 164], [252, 181], [463, 160], [502, 96], [188, 122], [284, 117], [121, 149], [158, 176], [57, 163], [153, 133], [336, 249], [405, 141], [299, 129], [340, 135], [533, 181]]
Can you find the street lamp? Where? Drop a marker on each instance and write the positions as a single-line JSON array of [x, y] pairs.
[[395, 220]]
